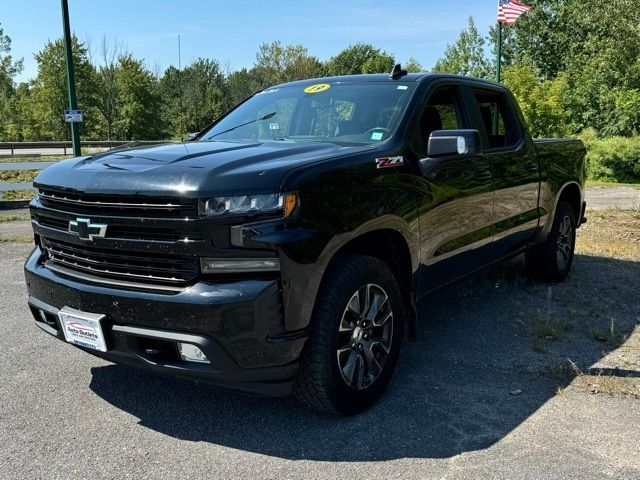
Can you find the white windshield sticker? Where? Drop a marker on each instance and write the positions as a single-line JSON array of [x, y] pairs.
[[376, 135]]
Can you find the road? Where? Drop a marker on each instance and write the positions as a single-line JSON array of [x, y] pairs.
[[609, 196], [38, 151]]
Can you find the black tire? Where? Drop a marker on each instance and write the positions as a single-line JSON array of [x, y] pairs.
[[323, 381], [551, 261]]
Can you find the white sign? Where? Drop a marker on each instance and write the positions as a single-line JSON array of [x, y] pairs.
[[73, 116], [82, 328]]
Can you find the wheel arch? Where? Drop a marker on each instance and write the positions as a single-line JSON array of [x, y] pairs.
[[393, 248], [571, 193]]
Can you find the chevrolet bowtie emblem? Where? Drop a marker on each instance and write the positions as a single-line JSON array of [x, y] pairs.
[[87, 230]]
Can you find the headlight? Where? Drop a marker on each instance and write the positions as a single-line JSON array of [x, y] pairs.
[[241, 204]]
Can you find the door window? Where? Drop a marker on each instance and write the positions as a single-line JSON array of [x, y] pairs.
[[442, 112], [497, 119]]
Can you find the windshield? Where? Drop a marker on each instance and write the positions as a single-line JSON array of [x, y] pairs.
[[338, 112]]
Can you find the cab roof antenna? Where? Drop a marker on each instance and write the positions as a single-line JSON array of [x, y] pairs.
[[397, 72]]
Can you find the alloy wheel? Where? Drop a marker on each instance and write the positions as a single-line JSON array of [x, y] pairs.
[[564, 243], [364, 336]]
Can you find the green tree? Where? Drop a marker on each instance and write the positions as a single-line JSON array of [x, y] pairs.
[[624, 118], [238, 86], [539, 38], [192, 97], [139, 101], [16, 114], [509, 50], [8, 70], [543, 102], [107, 84], [360, 58], [413, 66], [466, 55], [8, 67], [596, 45], [276, 63], [49, 92], [382, 63]]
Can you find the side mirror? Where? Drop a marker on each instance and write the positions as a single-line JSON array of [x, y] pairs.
[[192, 135], [444, 143]]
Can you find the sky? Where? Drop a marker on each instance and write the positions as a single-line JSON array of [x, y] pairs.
[[231, 31]]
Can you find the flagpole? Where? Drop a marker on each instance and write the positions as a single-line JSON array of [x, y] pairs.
[[499, 53], [498, 64]]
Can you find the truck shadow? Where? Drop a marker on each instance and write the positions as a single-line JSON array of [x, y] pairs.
[[481, 366]]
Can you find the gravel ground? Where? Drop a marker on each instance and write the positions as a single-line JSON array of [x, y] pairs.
[[507, 379], [603, 197]]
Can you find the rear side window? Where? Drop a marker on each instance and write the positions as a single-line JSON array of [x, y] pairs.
[[497, 119]]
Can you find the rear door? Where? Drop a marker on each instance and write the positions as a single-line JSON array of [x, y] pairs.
[[514, 167]]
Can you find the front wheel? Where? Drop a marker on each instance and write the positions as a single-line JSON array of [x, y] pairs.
[[552, 260], [355, 337]]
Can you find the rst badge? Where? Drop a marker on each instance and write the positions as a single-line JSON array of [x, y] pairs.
[[387, 162]]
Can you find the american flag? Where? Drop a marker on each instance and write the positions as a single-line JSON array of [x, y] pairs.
[[510, 10]]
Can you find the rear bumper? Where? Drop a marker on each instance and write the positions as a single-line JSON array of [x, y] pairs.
[[237, 325]]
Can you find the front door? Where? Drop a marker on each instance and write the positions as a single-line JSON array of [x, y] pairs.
[[457, 192]]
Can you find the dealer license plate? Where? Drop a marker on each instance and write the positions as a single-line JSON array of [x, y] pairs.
[[82, 328]]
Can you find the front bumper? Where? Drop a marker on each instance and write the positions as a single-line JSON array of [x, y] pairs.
[[238, 325]]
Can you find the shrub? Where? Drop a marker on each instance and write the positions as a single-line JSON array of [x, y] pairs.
[[614, 159]]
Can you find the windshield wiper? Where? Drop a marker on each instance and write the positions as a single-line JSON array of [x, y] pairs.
[[266, 117]]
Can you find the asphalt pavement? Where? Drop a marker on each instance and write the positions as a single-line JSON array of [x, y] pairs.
[[475, 395]]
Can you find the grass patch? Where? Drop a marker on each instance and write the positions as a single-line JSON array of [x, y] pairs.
[[18, 176], [12, 218], [609, 334], [20, 239], [610, 233], [13, 195], [605, 183], [607, 383], [545, 328], [32, 158]]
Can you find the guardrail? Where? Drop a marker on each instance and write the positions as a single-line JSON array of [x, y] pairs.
[[13, 146], [6, 187]]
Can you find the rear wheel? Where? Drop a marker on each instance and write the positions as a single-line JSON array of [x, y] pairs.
[[355, 337], [552, 260]]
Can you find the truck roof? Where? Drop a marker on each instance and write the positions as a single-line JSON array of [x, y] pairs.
[[384, 77]]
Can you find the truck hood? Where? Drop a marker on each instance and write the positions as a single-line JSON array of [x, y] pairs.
[[193, 169]]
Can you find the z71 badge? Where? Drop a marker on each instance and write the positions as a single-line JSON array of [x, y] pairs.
[[386, 162]]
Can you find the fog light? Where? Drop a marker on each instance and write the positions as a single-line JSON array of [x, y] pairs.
[[191, 353], [237, 265]]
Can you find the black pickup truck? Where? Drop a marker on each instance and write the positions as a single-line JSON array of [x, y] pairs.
[[283, 249]]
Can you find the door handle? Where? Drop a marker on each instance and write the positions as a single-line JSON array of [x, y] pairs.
[[483, 174], [531, 167]]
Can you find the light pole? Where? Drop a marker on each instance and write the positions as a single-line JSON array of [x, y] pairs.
[[71, 83]]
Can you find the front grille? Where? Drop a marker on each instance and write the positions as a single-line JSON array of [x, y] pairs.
[[118, 205], [121, 232], [137, 267]]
